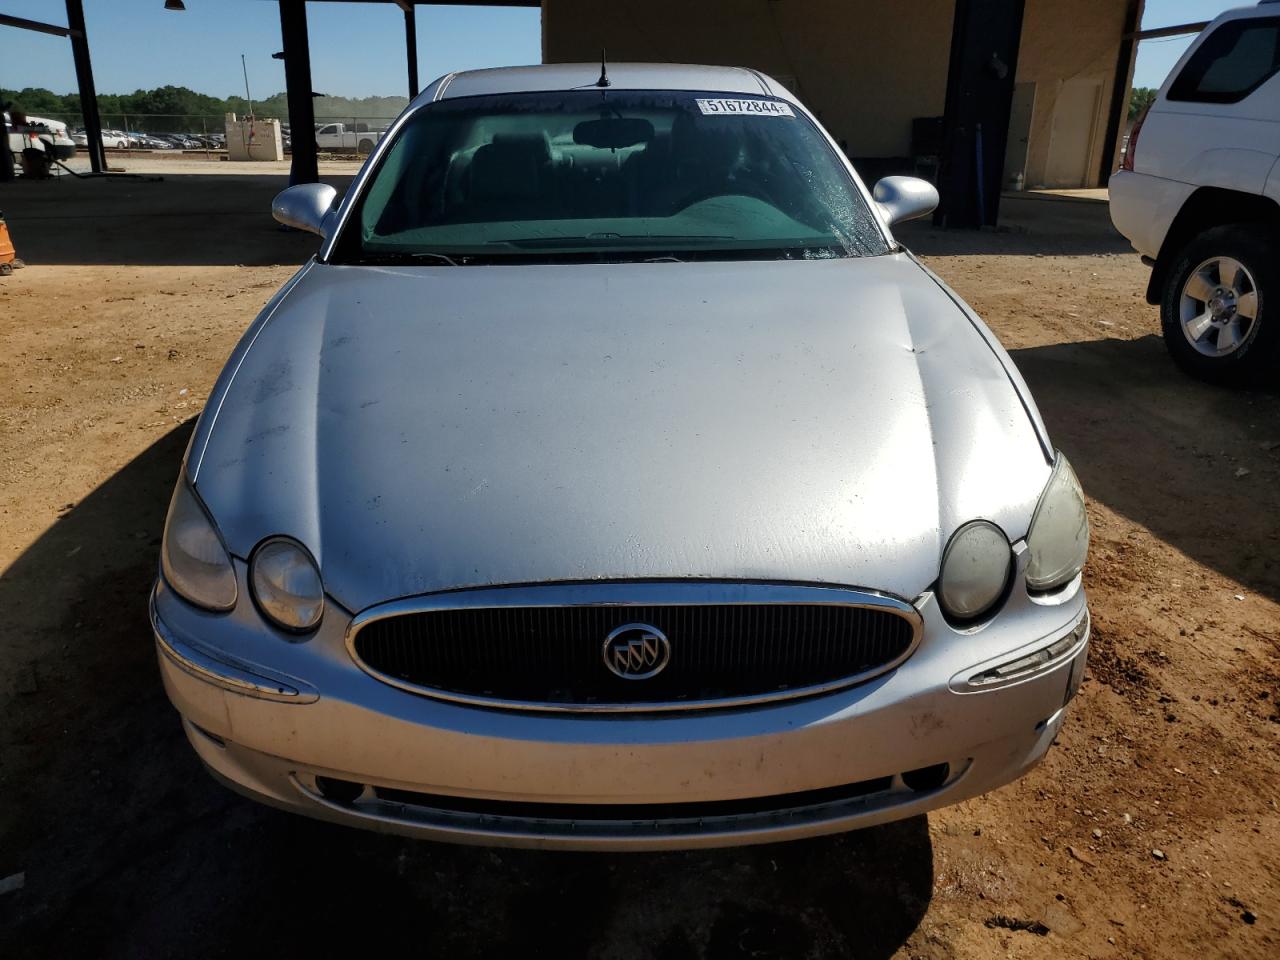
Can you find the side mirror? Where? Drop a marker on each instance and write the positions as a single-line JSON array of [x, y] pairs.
[[305, 206], [905, 198]]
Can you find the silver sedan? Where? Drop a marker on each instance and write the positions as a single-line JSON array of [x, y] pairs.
[[612, 478]]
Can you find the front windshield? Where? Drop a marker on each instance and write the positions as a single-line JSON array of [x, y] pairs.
[[609, 175]]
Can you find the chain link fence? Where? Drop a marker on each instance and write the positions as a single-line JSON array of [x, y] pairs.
[[207, 133]]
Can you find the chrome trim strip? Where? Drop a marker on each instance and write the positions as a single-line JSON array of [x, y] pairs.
[[229, 675], [615, 593], [764, 87], [443, 86]]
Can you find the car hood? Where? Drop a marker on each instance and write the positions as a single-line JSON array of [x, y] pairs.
[[428, 428]]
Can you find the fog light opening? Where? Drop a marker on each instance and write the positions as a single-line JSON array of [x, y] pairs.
[[339, 791], [211, 737], [927, 778]]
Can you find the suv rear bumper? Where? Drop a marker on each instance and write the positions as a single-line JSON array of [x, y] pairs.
[[1143, 208]]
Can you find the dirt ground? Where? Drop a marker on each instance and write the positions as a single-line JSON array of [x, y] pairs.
[[1151, 830]]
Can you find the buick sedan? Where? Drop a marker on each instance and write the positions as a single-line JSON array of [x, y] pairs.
[[613, 478]]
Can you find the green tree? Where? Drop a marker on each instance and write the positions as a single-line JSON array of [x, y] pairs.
[[178, 109], [1139, 99], [37, 100]]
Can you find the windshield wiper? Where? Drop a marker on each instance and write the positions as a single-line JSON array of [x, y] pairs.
[[405, 257], [608, 240]]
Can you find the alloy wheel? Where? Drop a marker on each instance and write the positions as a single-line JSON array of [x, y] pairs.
[[1218, 306]]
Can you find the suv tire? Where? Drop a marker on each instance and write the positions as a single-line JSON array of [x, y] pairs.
[[1213, 312]]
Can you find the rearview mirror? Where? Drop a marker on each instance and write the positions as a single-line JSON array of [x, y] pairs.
[[613, 132], [905, 198], [305, 206]]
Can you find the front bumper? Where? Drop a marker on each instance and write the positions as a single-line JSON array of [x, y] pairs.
[[300, 726]]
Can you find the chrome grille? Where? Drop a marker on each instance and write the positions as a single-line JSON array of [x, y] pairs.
[[550, 656]]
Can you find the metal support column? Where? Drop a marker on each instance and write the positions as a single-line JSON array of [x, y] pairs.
[[84, 80], [411, 48], [985, 39], [1121, 85], [297, 79], [6, 158]]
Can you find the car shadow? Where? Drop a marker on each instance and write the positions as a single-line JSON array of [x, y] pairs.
[[1197, 465], [171, 220], [1030, 225], [216, 218], [129, 849]]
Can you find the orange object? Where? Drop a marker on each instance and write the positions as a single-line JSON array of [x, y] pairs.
[[7, 253], [8, 256]]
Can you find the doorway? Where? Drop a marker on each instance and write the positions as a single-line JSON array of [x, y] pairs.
[[1071, 140], [1015, 151]]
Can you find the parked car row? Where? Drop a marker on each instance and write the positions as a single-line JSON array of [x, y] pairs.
[[358, 137], [110, 138], [136, 140]]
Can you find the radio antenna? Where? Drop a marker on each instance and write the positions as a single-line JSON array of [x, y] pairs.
[[604, 71]]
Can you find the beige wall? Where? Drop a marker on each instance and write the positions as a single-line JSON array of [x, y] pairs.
[[865, 67], [863, 73], [1061, 41]]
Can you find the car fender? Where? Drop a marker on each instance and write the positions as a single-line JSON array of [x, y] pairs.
[[1002, 356], [1272, 188], [204, 425]]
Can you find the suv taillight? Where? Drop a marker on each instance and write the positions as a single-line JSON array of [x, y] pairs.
[[1131, 148]]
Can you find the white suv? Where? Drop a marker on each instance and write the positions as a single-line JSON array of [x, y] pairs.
[[1198, 195]]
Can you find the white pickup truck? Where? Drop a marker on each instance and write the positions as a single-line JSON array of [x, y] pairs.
[[359, 136]]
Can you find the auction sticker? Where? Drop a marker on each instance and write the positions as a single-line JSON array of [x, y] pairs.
[[751, 108]]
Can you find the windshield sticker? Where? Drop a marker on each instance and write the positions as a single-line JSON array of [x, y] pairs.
[[758, 108]]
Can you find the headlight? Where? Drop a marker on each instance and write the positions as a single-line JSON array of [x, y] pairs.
[[975, 570], [1058, 540], [286, 585], [192, 557]]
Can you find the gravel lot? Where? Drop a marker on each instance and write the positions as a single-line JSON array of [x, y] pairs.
[[1151, 830]]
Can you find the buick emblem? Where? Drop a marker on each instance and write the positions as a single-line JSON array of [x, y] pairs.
[[636, 651]]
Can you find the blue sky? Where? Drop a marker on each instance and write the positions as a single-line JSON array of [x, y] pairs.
[[356, 49], [1157, 57]]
